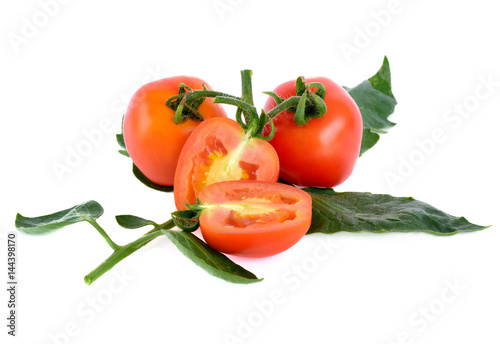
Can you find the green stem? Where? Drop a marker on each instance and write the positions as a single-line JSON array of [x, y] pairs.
[[283, 106], [246, 92], [186, 104], [239, 103], [194, 95], [166, 225], [197, 94], [122, 252], [105, 235]]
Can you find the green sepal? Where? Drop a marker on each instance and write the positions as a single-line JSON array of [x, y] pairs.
[[184, 110], [187, 220], [197, 207], [320, 88], [263, 120], [300, 86], [300, 114], [320, 104]]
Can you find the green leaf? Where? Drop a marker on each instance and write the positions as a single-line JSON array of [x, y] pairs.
[[376, 102], [378, 213], [143, 179], [124, 152], [137, 173], [381, 81], [132, 221], [121, 141], [369, 140], [212, 261], [86, 211]]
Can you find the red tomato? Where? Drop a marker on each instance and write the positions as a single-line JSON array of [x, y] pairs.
[[220, 150], [323, 151], [254, 218], [153, 140]]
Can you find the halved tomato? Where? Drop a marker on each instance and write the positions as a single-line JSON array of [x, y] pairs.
[[218, 150], [254, 218]]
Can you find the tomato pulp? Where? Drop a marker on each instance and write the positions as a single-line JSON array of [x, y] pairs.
[[153, 140], [254, 218], [220, 150], [323, 151]]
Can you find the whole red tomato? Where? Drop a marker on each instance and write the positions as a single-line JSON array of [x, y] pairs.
[[254, 218], [323, 151], [219, 150], [153, 140]]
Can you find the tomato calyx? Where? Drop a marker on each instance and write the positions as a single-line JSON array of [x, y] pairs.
[[187, 220], [186, 102], [306, 104], [183, 110]]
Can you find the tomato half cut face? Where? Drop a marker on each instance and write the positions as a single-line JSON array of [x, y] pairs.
[[254, 218], [219, 150]]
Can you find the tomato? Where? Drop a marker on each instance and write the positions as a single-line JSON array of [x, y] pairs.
[[254, 218], [219, 150], [153, 140], [323, 151]]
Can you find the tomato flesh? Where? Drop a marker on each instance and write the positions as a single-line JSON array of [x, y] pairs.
[[153, 140], [254, 218], [219, 150]]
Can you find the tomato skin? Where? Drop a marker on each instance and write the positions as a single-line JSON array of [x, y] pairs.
[[285, 219], [153, 140], [219, 150], [322, 152]]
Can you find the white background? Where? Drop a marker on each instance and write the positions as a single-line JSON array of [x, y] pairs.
[[84, 59]]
